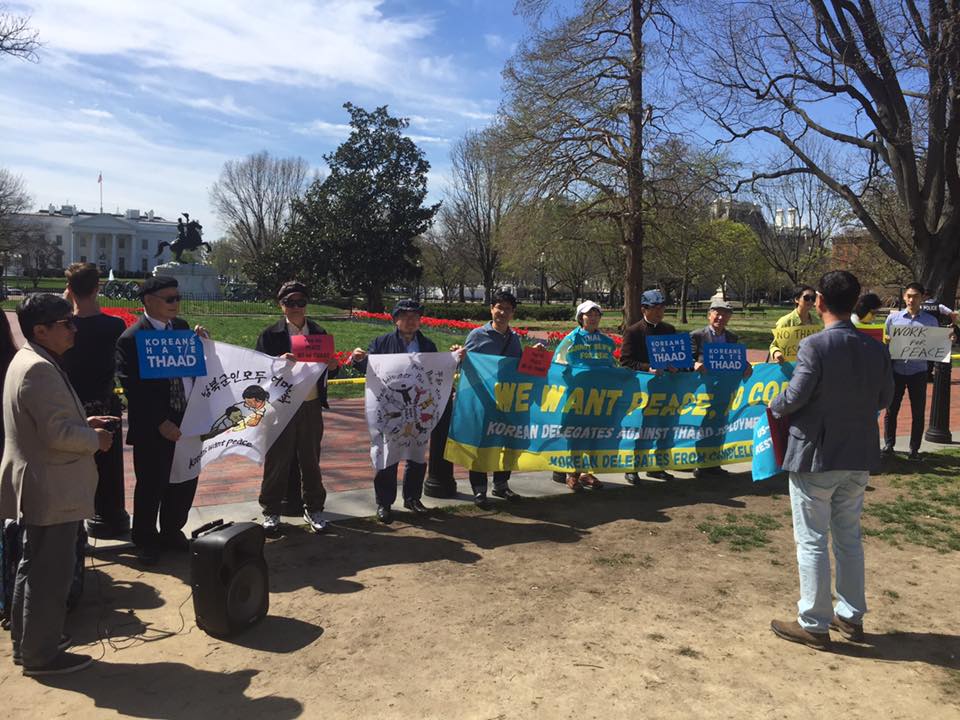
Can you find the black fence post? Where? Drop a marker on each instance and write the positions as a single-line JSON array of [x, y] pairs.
[[939, 429]]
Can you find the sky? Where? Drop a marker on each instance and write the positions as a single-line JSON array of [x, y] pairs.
[[156, 96]]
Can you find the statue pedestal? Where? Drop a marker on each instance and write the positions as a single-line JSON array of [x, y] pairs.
[[195, 281]]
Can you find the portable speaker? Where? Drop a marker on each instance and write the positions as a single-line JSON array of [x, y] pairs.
[[229, 577]]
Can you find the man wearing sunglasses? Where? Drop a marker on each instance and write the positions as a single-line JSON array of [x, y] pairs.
[[155, 410], [297, 449], [804, 297], [48, 479]]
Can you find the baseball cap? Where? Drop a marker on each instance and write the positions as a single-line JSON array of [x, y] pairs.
[[652, 297], [406, 306], [721, 305], [291, 287], [585, 307]]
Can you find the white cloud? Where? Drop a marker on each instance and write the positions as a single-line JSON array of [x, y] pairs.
[[225, 105], [494, 41], [325, 129], [91, 112], [60, 156], [434, 139], [437, 68], [291, 42]]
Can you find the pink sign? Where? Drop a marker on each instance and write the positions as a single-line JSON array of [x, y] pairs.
[[312, 348], [535, 361]]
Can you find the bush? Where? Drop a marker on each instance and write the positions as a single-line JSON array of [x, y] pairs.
[[480, 312]]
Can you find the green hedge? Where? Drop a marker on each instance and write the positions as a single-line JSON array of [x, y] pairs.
[[481, 312]]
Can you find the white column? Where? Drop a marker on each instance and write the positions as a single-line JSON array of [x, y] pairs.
[[113, 251]]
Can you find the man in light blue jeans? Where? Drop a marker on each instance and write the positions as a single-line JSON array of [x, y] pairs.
[[842, 379]]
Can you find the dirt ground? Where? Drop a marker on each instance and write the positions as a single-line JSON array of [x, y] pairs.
[[604, 606]]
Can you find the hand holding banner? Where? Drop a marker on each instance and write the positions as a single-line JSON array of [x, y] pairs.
[[670, 351], [312, 348], [920, 342]]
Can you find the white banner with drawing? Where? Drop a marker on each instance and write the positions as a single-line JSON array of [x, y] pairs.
[[920, 342], [239, 407], [406, 395]]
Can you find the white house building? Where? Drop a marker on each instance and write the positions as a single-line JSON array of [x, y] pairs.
[[124, 243]]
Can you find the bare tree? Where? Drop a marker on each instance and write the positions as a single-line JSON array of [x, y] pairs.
[[445, 256], [17, 38], [577, 113], [13, 200], [876, 80], [254, 199], [483, 192], [805, 215]]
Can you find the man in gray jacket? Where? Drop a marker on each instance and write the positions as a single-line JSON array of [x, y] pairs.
[[47, 481], [843, 378]]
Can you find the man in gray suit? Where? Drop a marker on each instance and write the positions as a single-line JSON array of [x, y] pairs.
[[843, 378]]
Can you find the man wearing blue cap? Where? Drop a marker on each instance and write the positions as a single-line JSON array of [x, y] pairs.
[[633, 352]]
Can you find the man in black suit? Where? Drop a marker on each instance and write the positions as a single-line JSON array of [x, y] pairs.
[[155, 410], [300, 440]]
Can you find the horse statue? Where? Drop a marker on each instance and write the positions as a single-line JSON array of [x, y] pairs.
[[189, 237]]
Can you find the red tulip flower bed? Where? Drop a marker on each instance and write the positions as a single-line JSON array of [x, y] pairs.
[[128, 317], [425, 321]]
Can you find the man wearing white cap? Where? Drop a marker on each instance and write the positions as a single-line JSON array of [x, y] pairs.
[[633, 352], [584, 345]]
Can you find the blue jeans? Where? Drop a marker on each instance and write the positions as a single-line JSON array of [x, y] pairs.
[[828, 503]]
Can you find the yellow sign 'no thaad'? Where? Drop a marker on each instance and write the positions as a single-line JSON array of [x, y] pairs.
[[788, 338]]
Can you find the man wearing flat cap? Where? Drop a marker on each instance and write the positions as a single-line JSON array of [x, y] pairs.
[[155, 410], [406, 338], [716, 331], [297, 449], [634, 354]]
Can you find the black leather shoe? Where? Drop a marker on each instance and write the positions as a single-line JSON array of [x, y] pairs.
[[175, 541], [506, 494], [480, 500], [631, 478], [384, 515], [914, 456], [416, 507], [887, 450]]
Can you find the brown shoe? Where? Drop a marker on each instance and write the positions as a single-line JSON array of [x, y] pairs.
[[794, 633], [851, 631]]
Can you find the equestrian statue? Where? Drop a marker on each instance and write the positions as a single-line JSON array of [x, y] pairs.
[[189, 237]]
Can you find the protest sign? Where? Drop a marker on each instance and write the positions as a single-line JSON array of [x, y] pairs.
[[170, 354], [604, 419], [765, 463], [920, 342], [725, 357], [312, 348], [239, 407], [535, 361], [405, 396], [788, 338], [670, 351]]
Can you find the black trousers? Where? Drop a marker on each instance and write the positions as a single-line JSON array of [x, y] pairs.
[[478, 481], [154, 495], [441, 469], [385, 482], [298, 445], [916, 387]]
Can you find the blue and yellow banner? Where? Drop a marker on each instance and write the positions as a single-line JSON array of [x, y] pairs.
[[604, 419]]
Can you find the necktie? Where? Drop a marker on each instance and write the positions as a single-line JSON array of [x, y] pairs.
[[178, 397]]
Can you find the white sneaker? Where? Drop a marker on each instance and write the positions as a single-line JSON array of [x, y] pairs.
[[315, 520], [271, 524]]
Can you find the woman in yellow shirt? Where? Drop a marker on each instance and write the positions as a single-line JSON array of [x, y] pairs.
[[804, 297]]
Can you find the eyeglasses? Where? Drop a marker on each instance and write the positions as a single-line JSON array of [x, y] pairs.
[[809, 298], [289, 302]]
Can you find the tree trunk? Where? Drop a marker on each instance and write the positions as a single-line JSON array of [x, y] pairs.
[[684, 284], [940, 280], [374, 297], [633, 285]]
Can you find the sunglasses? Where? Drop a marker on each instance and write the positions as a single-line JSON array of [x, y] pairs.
[[287, 302], [170, 300], [809, 298]]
